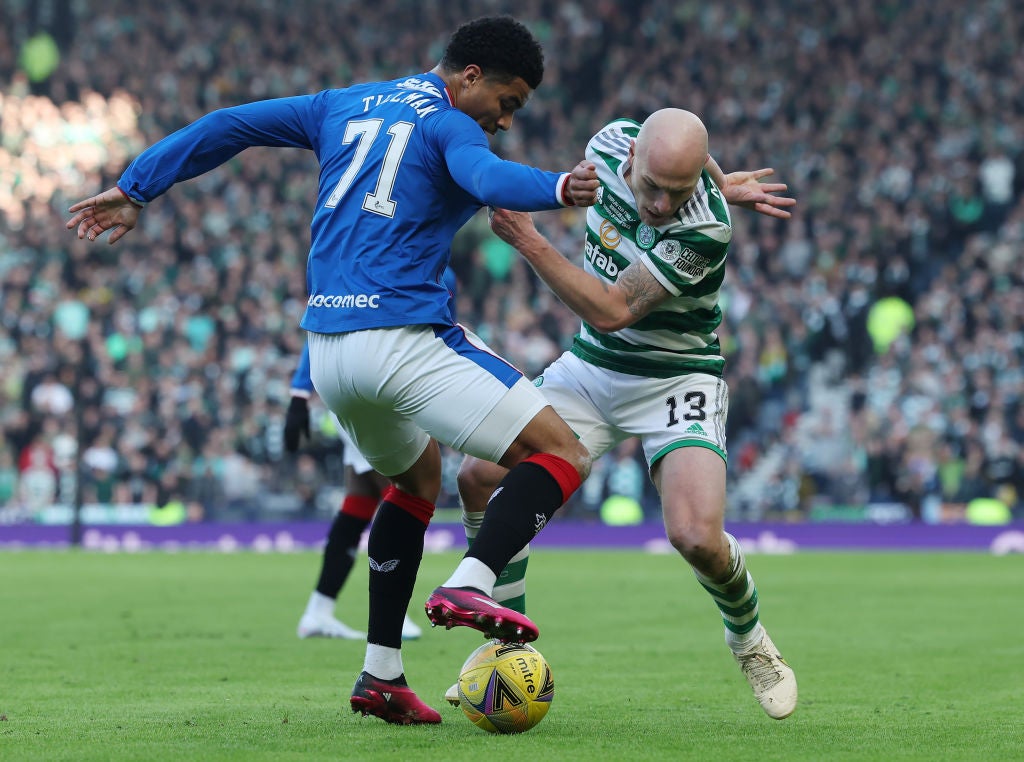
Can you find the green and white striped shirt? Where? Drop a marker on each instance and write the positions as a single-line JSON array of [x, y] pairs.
[[687, 256]]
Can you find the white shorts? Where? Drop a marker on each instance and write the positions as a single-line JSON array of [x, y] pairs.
[[395, 388], [605, 407], [350, 455]]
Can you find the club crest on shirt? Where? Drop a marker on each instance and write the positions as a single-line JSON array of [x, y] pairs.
[[645, 236], [668, 251], [683, 259]]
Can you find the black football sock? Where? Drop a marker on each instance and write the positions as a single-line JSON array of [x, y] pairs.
[[525, 500], [395, 549], [339, 553]]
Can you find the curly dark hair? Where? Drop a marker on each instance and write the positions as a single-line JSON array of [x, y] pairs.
[[502, 47]]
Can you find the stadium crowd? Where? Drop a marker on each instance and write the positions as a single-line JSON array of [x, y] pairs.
[[874, 342]]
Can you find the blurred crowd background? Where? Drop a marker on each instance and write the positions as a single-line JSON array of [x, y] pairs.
[[874, 342]]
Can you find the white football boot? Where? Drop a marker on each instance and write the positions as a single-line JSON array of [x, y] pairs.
[[452, 694], [314, 626], [773, 681], [324, 626], [410, 630]]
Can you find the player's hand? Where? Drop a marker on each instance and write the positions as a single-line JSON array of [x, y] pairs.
[[514, 228], [296, 423], [746, 189], [111, 210], [583, 184]]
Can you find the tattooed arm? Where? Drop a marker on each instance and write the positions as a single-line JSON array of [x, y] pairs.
[[607, 307]]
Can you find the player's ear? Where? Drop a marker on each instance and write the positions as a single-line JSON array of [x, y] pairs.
[[471, 74]]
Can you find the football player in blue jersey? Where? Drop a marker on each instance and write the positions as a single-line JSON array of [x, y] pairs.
[[403, 165], [363, 490]]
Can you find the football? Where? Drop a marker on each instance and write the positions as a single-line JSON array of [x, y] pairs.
[[505, 687]]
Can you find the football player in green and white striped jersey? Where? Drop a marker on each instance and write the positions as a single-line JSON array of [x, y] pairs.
[[647, 360]]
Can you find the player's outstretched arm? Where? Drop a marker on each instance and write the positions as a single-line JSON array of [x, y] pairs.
[[111, 210], [191, 151]]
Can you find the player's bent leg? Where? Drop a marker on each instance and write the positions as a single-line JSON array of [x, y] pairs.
[[694, 511], [477, 481], [547, 464], [543, 482], [693, 508], [539, 482]]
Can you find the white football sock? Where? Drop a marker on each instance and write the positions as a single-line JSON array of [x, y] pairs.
[[472, 572], [320, 605], [383, 662]]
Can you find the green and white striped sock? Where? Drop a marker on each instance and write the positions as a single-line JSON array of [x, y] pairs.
[[510, 588], [736, 598]]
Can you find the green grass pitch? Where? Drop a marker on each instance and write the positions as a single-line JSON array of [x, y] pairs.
[[193, 656]]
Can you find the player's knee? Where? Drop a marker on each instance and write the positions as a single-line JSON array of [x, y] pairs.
[[424, 489], [581, 460], [575, 454], [697, 554], [690, 539], [477, 480], [695, 542]]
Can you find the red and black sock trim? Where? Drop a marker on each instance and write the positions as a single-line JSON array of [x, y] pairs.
[[359, 506], [528, 497], [561, 471], [414, 506]]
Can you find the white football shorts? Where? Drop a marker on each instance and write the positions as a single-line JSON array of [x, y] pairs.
[[605, 407], [350, 455], [395, 388]]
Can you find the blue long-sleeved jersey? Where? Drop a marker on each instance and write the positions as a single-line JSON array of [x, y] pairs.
[[401, 170]]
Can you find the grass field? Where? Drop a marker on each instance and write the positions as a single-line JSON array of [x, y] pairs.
[[193, 656]]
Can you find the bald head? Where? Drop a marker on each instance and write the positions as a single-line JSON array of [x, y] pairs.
[[666, 163], [675, 142]]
